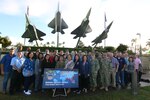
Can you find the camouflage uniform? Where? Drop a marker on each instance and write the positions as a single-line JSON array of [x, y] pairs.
[[94, 71], [105, 72]]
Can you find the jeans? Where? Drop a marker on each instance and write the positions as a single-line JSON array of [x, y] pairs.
[[120, 77], [7, 75], [27, 82]]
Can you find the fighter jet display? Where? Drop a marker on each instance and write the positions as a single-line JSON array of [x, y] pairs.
[[102, 36], [58, 24], [83, 29], [32, 32]]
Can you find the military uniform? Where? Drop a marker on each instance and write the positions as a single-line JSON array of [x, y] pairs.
[[105, 69], [94, 71]]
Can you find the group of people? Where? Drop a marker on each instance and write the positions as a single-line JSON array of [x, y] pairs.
[[96, 70]]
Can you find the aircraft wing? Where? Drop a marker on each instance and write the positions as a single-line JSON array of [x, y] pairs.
[[76, 31], [108, 27], [63, 24], [88, 29], [100, 37], [39, 33], [32, 39], [26, 34], [103, 35], [52, 23]]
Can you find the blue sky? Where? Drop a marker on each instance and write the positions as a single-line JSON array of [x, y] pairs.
[[130, 17]]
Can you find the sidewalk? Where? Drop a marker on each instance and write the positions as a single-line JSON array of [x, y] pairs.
[[146, 77]]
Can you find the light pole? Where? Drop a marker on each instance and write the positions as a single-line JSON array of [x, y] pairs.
[[140, 48]]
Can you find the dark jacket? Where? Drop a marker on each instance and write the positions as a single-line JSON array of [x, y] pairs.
[[84, 69]]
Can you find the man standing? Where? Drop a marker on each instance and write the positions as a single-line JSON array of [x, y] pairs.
[[17, 65], [6, 68], [120, 73], [115, 65]]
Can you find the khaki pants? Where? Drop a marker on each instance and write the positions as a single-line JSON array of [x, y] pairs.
[[113, 77]]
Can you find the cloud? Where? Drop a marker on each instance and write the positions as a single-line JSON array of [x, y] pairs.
[[10, 7], [130, 17]]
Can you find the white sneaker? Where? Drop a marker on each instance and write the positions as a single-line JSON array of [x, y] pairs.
[[85, 90], [30, 91], [102, 87], [27, 93], [106, 89]]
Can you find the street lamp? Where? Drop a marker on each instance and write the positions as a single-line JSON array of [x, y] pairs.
[[140, 48]]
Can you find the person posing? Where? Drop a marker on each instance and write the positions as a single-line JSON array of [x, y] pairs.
[[120, 73], [61, 62], [16, 79], [76, 62], [115, 65], [126, 57], [28, 71], [105, 69], [94, 71], [69, 64], [76, 66], [6, 68], [55, 60], [38, 80], [45, 63], [84, 74], [138, 63], [130, 69]]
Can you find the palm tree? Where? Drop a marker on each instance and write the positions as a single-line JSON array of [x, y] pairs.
[[48, 44], [63, 43], [53, 43], [148, 43]]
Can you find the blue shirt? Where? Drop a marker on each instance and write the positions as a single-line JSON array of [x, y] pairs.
[[122, 62], [28, 69], [17, 62], [6, 60], [114, 62]]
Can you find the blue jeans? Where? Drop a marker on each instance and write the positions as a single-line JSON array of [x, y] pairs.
[[7, 75], [120, 77]]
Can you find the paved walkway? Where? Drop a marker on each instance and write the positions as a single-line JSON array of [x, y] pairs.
[[146, 76]]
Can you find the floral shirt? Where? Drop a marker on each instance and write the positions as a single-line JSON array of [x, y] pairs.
[[28, 69]]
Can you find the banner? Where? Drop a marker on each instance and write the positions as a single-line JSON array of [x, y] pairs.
[[60, 78]]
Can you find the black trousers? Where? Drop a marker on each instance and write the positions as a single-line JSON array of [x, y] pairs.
[[83, 82], [15, 82]]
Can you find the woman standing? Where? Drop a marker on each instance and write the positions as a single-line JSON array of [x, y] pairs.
[[38, 63], [45, 63], [76, 62], [28, 71], [130, 69], [61, 62], [84, 74], [69, 64], [55, 60], [76, 66]]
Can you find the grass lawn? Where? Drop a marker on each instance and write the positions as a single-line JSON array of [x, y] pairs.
[[143, 94]]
